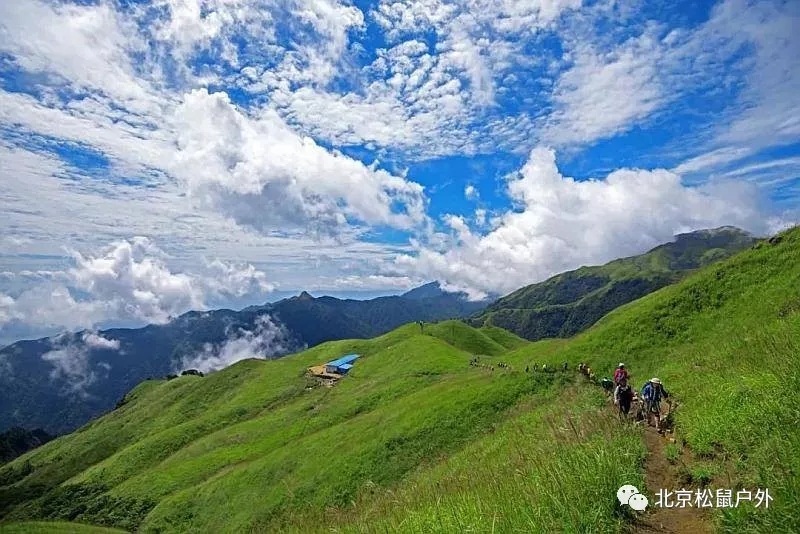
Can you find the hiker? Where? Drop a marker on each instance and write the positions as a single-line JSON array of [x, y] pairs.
[[607, 384], [620, 374], [565, 366], [652, 393], [623, 397]]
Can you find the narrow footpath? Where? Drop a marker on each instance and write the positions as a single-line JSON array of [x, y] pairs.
[[661, 474]]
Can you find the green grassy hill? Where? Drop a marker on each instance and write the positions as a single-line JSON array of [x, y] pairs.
[[571, 302], [417, 440]]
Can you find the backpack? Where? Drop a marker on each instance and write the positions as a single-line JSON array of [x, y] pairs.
[[625, 391], [620, 374], [653, 394]]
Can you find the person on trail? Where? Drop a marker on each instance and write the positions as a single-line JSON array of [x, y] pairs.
[[607, 384], [620, 374], [565, 365], [623, 397], [652, 393]]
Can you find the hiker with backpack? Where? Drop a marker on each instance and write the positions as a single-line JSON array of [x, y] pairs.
[[623, 397], [620, 374], [652, 393]]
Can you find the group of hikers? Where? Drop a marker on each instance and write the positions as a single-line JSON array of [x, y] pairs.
[[544, 368], [651, 395]]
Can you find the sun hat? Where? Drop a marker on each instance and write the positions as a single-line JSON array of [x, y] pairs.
[[655, 380], [621, 364]]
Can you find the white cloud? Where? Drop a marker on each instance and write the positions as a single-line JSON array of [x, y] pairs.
[[770, 109], [471, 192], [766, 111], [480, 217], [262, 174], [71, 361], [712, 159], [605, 93], [132, 278], [97, 341], [561, 224], [88, 47], [267, 339], [377, 282], [426, 101], [237, 279], [129, 280]]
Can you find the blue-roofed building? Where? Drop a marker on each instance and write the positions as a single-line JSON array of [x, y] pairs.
[[342, 365]]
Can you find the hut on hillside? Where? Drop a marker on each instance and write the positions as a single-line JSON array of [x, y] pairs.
[[342, 365]]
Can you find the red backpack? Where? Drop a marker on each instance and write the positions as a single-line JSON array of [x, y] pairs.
[[620, 374]]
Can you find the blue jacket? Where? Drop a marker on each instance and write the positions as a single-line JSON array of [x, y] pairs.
[[651, 393]]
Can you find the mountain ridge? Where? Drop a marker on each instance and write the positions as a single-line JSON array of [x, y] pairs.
[[570, 302]]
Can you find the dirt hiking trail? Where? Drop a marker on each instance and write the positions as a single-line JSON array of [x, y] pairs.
[[661, 474]]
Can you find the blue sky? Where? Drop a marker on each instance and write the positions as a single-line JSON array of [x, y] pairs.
[[176, 154]]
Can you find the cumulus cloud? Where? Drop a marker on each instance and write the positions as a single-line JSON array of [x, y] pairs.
[[267, 339], [70, 358], [236, 279], [256, 170], [560, 224], [128, 280], [471, 192], [132, 276]]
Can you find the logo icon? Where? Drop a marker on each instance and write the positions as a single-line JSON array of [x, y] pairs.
[[629, 494]]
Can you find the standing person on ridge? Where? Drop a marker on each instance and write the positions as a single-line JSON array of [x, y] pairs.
[[652, 393], [620, 374]]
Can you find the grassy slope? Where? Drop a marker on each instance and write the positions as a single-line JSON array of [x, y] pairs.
[[571, 302], [727, 344], [53, 527], [416, 440], [180, 450]]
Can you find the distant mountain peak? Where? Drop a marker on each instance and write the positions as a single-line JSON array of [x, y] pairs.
[[304, 296], [429, 290]]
